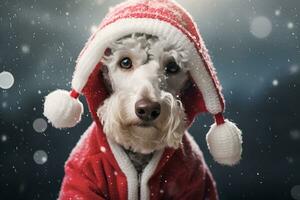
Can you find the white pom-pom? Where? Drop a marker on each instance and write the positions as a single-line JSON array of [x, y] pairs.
[[62, 110], [225, 143]]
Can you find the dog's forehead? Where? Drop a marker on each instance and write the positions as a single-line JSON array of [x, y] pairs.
[[150, 56], [139, 45]]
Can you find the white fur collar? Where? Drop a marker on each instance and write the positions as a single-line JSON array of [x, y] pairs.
[[131, 174]]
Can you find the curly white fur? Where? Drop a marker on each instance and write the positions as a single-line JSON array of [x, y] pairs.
[[121, 125], [147, 79]]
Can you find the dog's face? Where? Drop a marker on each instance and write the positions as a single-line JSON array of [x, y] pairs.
[[145, 76]]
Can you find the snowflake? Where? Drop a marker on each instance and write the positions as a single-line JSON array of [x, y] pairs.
[[25, 49], [294, 69], [3, 138], [295, 134], [100, 2], [290, 25], [6, 80], [275, 82], [4, 104], [295, 192], [261, 27], [93, 29], [102, 149], [40, 157], [40, 125]]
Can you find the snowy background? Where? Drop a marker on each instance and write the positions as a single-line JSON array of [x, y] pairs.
[[255, 47]]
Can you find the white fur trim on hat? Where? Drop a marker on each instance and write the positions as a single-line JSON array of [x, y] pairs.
[[225, 143], [62, 110], [94, 50]]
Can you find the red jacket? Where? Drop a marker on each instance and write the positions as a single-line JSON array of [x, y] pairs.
[[98, 169]]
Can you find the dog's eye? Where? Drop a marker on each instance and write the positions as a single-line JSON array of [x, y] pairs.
[[126, 63], [172, 68]]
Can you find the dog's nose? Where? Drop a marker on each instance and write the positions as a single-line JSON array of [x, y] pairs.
[[147, 110]]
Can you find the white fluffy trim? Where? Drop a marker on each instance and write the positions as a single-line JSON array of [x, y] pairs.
[[225, 143], [62, 110]]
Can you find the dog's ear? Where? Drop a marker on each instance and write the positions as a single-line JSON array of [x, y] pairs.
[[187, 85], [106, 80]]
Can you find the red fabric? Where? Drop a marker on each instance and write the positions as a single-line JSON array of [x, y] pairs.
[[192, 101], [95, 92], [219, 119], [92, 174], [74, 94]]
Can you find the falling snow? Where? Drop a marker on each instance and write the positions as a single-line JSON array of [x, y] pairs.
[[256, 51], [294, 69], [3, 138], [100, 2], [295, 134], [295, 192], [40, 157], [40, 125], [93, 29], [275, 82], [290, 25], [25, 49], [277, 12], [6, 80], [4, 104], [261, 27], [102, 149]]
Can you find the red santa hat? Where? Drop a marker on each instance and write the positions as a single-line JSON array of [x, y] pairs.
[[168, 20]]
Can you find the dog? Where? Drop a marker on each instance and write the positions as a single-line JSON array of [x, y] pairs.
[[145, 75]]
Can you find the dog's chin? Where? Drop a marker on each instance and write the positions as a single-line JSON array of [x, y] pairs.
[[145, 130], [143, 125], [145, 138]]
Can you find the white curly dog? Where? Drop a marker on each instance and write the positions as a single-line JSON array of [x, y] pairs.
[[145, 76]]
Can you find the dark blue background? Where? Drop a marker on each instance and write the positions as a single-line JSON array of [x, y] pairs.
[[39, 43]]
